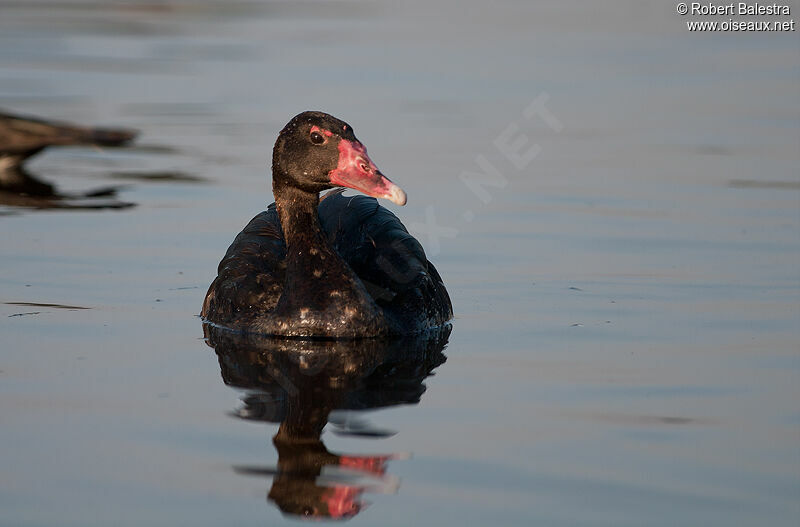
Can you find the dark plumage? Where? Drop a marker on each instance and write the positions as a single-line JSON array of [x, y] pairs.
[[342, 267], [22, 137]]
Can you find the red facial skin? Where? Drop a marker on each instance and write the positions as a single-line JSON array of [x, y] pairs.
[[372, 464], [326, 133], [342, 500], [357, 171]]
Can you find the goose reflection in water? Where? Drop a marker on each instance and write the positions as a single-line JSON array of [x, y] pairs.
[[300, 384]]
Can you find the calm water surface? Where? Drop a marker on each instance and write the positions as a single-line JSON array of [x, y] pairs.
[[627, 289]]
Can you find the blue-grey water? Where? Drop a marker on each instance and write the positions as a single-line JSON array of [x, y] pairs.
[[613, 202]]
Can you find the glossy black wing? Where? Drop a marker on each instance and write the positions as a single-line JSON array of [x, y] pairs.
[[389, 261], [251, 275]]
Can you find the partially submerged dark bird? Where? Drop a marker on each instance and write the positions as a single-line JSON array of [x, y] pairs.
[[339, 267], [23, 136]]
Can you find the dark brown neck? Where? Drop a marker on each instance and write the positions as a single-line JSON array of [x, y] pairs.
[[310, 260], [297, 210], [320, 288]]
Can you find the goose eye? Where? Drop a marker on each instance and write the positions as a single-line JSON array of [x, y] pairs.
[[317, 138]]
